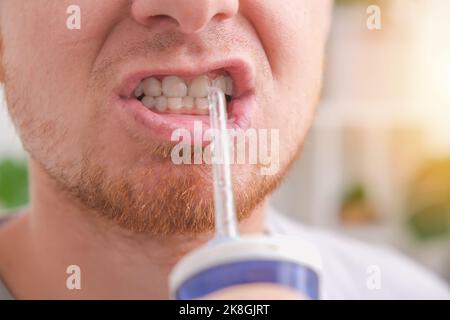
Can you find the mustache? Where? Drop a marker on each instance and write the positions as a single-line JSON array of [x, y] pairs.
[[163, 46], [171, 43]]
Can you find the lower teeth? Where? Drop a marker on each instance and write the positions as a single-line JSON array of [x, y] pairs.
[[183, 109]]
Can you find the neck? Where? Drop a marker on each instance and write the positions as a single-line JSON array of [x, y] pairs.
[[57, 232]]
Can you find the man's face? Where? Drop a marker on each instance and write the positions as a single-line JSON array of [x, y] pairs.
[[70, 94]]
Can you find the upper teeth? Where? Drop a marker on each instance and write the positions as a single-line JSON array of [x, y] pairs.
[[176, 94]]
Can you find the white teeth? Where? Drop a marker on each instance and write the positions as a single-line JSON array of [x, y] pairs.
[[220, 83], [174, 103], [188, 102], [161, 103], [152, 87], [149, 102], [174, 86], [199, 87], [174, 94], [201, 103], [139, 90]]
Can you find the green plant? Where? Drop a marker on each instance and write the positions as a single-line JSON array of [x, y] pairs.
[[428, 205], [13, 183], [356, 207], [355, 194]]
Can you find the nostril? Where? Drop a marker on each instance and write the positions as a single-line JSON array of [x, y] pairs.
[[221, 17], [189, 16], [162, 19]]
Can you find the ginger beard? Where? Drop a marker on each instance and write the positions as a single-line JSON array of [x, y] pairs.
[[161, 198], [180, 203]]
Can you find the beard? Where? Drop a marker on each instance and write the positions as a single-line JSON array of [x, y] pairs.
[[158, 200], [161, 199], [178, 202]]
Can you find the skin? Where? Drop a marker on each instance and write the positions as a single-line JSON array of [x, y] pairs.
[[98, 196]]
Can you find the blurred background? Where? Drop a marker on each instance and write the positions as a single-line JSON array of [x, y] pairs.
[[376, 165]]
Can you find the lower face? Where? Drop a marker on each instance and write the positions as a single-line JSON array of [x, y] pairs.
[[95, 107]]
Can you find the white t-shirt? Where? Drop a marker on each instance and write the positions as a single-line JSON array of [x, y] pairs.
[[354, 270]]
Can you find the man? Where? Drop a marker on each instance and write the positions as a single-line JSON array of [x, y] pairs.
[[95, 108]]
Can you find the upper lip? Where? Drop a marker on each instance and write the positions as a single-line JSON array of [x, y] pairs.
[[239, 70]]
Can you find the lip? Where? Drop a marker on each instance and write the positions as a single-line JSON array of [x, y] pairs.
[[161, 126]]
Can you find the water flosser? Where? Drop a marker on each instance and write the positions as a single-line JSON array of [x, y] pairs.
[[230, 259]]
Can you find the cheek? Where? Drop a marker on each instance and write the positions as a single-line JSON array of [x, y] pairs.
[[48, 65], [293, 36]]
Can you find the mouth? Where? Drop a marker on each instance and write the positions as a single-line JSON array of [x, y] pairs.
[[162, 101], [172, 94]]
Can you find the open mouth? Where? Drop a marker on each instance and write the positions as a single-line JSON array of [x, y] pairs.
[[174, 94], [165, 100]]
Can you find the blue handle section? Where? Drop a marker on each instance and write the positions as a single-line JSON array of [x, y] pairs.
[[293, 275]]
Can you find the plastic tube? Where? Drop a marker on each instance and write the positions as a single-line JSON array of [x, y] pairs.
[[225, 212]]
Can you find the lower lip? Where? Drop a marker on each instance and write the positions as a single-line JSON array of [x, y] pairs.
[[161, 126]]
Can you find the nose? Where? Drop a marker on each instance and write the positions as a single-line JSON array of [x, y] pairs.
[[190, 16]]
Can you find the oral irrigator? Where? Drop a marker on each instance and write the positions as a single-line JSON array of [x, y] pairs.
[[230, 259]]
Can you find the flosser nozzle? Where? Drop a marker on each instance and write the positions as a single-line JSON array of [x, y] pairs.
[[225, 212]]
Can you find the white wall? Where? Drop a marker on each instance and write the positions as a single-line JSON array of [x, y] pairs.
[[9, 142]]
